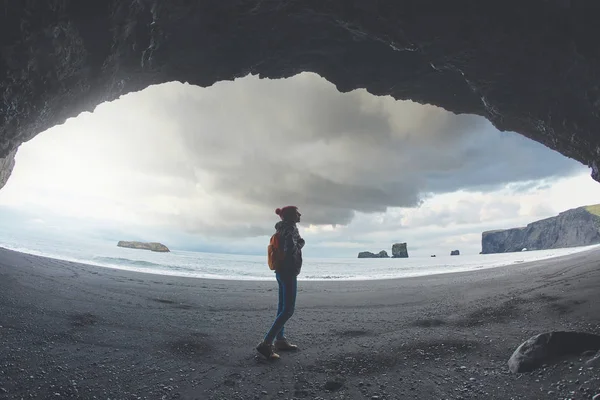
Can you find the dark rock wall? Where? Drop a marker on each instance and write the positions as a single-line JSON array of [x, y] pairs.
[[530, 67]]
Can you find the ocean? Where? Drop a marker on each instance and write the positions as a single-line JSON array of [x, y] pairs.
[[243, 267]]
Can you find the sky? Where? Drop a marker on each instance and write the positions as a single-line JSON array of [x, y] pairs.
[[204, 169]]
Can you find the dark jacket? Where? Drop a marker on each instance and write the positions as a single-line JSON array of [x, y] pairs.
[[292, 243]]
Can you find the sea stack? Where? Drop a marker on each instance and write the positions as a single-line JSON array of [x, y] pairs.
[[399, 250], [455, 253]]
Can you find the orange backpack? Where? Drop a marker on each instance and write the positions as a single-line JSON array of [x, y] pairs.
[[275, 253]]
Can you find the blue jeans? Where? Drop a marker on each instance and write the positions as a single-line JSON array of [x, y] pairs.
[[288, 286]]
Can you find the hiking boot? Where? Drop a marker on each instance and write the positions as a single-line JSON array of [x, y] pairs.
[[284, 345], [267, 350]]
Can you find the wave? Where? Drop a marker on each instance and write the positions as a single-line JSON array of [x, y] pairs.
[[126, 261], [326, 277]]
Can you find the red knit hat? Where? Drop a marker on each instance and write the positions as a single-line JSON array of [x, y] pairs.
[[282, 211]]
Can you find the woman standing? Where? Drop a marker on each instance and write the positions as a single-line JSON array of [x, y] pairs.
[[292, 244]]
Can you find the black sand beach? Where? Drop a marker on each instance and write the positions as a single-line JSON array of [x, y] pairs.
[[69, 330]]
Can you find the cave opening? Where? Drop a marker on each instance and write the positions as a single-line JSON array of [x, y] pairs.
[[209, 165]]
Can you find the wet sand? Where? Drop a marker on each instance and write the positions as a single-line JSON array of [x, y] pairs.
[[70, 330]]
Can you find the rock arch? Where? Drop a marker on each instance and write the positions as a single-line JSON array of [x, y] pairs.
[[529, 67]]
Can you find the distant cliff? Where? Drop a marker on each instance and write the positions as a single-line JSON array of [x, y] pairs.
[[571, 228], [152, 246]]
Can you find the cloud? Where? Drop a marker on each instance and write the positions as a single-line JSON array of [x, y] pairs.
[[444, 222], [300, 141], [217, 161], [455, 220]]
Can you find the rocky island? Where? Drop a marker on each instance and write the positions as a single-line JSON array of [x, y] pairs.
[[152, 246], [571, 228], [368, 254], [399, 250]]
